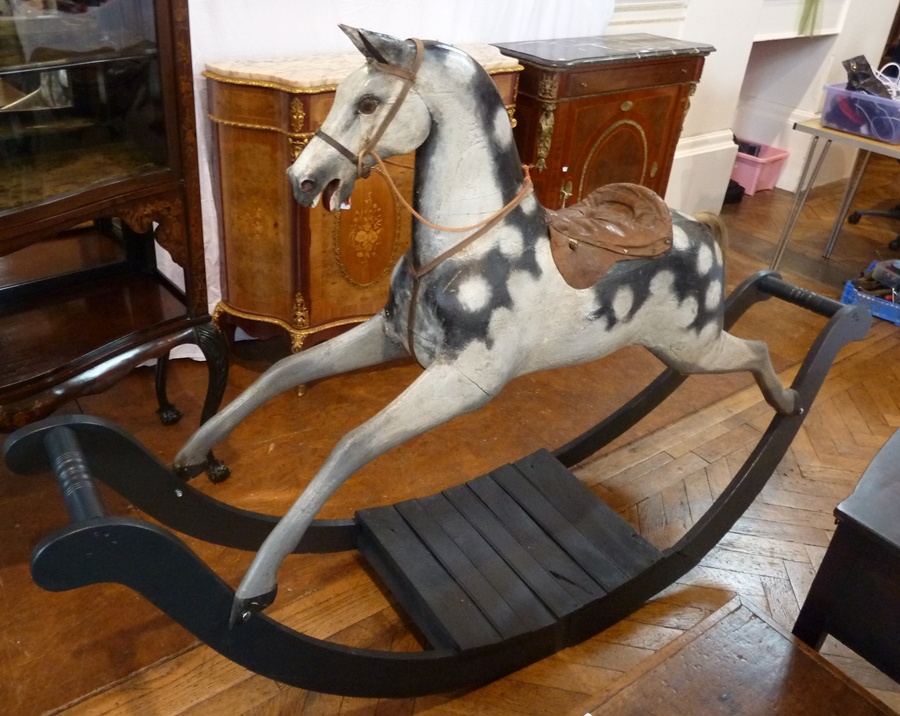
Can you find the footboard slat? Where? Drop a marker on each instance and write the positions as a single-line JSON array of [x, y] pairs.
[[521, 556]]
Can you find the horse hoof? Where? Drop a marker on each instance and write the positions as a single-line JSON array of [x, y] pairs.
[[245, 607]]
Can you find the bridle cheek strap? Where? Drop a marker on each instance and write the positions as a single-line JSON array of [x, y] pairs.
[[407, 77]]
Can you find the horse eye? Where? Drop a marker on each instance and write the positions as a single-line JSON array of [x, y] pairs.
[[367, 105]]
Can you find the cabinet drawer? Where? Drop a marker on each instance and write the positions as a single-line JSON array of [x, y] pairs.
[[629, 76]]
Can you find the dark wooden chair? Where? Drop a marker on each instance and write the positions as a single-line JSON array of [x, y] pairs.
[[855, 596]]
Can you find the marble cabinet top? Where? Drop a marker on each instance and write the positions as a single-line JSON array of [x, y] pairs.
[[567, 52], [316, 71]]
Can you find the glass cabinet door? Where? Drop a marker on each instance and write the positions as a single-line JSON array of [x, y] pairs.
[[80, 97]]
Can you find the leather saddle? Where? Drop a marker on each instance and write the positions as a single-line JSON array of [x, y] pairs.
[[613, 223]]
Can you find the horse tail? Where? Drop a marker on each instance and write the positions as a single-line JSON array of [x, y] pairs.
[[714, 223]]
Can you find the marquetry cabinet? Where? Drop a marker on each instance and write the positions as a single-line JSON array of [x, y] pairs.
[[305, 271], [596, 110], [98, 170]]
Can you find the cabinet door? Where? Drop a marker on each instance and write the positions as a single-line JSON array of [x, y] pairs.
[[623, 137]]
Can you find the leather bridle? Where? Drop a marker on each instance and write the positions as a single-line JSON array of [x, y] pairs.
[[407, 76]]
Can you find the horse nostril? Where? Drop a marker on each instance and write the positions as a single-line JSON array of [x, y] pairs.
[[307, 185]]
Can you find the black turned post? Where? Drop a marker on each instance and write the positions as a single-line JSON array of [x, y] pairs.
[[78, 490], [215, 350]]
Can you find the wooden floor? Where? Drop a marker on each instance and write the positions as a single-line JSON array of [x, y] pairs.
[[102, 650]]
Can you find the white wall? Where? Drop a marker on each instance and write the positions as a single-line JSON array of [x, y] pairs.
[[785, 78], [756, 88], [707, 148]]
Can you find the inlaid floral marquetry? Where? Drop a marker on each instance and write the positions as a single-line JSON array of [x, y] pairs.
[[366, 229], [367, 237]]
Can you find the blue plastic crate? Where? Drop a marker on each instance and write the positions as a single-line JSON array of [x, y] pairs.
[[878, 307]]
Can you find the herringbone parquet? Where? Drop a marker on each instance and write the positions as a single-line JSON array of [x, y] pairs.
[[663, 482]]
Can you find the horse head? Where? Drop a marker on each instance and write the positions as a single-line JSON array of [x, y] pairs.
[[376, 109]]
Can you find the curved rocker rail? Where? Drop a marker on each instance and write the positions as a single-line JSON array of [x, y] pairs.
[[98, 548]]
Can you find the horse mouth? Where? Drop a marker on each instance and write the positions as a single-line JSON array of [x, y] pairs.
[[330, 194]]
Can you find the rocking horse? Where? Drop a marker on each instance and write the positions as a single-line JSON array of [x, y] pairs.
[[514, 565]]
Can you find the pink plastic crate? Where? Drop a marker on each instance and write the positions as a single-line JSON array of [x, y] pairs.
[[759, 173]]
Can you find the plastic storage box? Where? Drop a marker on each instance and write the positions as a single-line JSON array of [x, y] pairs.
[[862, 114], [761, 172], [878, 307]]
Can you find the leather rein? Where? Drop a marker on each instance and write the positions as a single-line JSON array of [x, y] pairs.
[[479, 229]]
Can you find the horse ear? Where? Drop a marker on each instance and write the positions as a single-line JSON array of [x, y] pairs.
[[381, 48]]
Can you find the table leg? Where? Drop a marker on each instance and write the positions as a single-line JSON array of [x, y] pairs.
[[803, 187], [862, 161]]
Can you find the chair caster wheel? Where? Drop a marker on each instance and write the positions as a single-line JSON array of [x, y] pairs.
[[895, 244], [854, 218]]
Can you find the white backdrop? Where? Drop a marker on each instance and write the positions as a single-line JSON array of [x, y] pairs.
[[294, 28]]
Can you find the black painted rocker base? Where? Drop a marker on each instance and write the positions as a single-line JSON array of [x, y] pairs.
[[497, 573]]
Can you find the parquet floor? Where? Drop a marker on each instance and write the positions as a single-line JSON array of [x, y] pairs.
[[58, 648]]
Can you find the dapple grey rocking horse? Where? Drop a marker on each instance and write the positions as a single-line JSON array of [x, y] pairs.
[[475, 313], [509, 567]]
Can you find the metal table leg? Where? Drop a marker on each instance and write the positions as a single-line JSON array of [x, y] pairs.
[[803, 188], [862, 161]]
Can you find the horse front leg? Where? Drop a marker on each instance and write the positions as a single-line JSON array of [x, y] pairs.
[[442, 392], [365, 345]]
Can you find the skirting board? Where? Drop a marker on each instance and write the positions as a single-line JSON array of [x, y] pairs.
[[700, 172]]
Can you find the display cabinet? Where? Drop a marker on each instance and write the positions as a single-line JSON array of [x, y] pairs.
[[307, 272], [98, 172], [596, 110]]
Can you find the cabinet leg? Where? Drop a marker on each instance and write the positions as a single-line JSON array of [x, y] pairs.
[[824, 602], [168, 413], [215, 350], [212, 343], [809, 628]]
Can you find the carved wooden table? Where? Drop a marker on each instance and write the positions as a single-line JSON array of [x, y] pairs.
[[735, 662], [595, 110], [306, 271]]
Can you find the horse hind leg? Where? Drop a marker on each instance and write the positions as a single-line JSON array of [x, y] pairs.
[[730, 354]]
